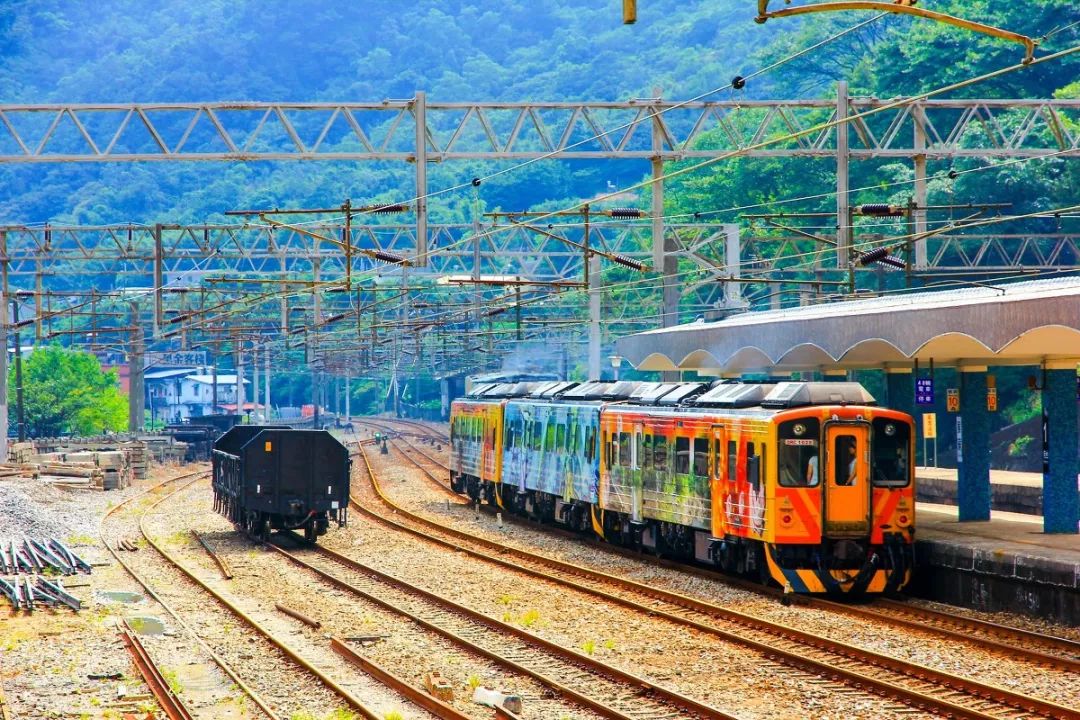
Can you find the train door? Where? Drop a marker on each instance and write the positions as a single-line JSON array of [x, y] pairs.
[[717, 464], [847, 482], [636, 477]]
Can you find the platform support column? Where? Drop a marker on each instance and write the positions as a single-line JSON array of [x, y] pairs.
[[1061, 496], [266, 378], [972, 426]]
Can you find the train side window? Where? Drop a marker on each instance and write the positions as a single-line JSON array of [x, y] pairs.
[[701, 457], [682, 456], [646, 452], [624, 449], [732, 460], [753, 466], [590, 443], [660, 453], [560, 436]]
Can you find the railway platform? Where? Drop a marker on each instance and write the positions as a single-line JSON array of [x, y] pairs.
[[1006, 563], [1010, 491]]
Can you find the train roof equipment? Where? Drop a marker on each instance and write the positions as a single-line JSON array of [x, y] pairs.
[[799, 394]]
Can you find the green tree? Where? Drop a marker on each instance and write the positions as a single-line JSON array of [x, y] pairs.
[[66, 391]]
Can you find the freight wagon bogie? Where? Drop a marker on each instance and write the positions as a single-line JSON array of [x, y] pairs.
[[807, 486], [275, 478]]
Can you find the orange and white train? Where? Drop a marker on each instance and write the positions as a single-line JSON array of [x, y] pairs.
[[806, 485]]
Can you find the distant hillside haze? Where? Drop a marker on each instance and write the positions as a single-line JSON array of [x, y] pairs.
[[455, 50]]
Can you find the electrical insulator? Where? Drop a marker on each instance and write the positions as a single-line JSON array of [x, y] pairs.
[[629, 12], [384, 209], [389, 257], [626, 213], [879, 210], [627, 262], [880, 256]]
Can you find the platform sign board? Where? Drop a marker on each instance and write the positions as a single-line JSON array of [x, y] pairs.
[[991, 399], [929, 426], [952, 400], [924, 391]]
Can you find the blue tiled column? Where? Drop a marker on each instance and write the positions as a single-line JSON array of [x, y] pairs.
[[900, 386], [1061, 500], [973, 466]]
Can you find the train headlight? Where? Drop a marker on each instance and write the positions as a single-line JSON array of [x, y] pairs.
[[786, 519], [799, 429], [902, 520], [890, 429]]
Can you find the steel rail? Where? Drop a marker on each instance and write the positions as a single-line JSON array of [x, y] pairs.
[[429, 702], [167, 699], [635, 682], [1013, 641], [976, 691], [281, 645], [218, 660], [222, 564]]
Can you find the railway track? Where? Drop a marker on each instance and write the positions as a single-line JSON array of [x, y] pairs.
[[915, 685], [611, 693], [274, 641], [1037, 648], [151, 667]]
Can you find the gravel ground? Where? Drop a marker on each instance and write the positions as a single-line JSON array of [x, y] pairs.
[[683, 659], [44, 674], [407, 649], [406, 486]]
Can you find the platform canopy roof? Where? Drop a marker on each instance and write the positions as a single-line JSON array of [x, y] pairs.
[[1023, 323]]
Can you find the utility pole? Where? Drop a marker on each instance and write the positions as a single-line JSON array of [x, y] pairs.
[[21, 417], [239, 363], [843, 209], [3, 347], [255, 380], [266, 367], [136, 388]]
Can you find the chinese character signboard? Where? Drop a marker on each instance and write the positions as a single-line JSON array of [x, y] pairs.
[[991, 399], [176, 358], [952, 400], [929, 426], [924, 391]]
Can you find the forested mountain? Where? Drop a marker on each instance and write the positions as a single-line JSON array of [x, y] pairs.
[[186, 50]]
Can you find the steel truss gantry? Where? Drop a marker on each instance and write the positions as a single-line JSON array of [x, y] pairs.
[[164, 258]]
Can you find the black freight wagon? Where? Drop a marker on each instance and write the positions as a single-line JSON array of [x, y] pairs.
[[272, 477]]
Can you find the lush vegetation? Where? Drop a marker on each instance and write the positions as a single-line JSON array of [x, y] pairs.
[[188, 50], [177, 50], [65, 391]]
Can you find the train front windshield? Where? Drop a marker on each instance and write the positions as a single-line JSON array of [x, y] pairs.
[[891, 453]]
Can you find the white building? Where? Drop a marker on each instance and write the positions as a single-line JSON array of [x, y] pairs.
[[176, 395]]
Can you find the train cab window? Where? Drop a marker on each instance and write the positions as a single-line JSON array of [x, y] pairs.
[[682, 456], [890, 453], [798, 459], [845, 461], [701, 457], [660, 453]]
